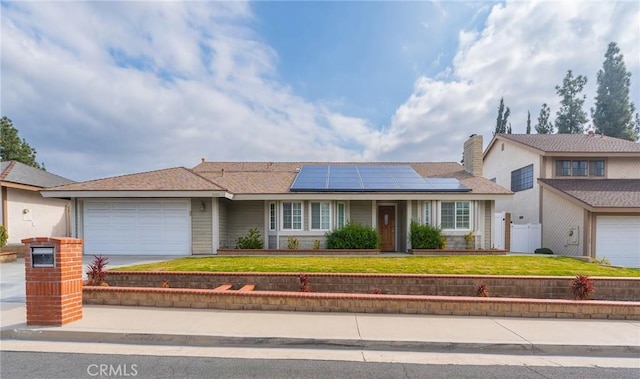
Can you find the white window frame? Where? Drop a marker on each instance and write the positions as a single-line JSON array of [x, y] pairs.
[[282, 226], [426, 213], [328, 219], [344, 214], [455, 215], [273, 219]]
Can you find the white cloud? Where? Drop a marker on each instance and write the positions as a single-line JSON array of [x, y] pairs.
[[523, 52], [103, 88]]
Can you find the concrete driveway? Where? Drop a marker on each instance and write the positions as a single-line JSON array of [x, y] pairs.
[[12, 284]]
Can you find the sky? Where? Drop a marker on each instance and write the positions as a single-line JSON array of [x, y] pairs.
[[106, 88]]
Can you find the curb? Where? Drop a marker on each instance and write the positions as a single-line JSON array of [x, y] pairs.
[[309, 343]]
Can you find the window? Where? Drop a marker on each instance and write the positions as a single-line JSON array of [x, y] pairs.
[[455, 215], [272, 216], [427, 213], [596, 168], [580, 168], [522, 179], [563, 168], [320, 216], [292, 216], [341, 215]]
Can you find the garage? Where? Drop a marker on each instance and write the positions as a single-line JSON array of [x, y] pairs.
[[618, 240], [137, 227]]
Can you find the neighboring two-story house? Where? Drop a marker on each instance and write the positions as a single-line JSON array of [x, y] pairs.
[[583, 188]]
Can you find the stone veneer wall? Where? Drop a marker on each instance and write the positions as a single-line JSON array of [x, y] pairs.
[[535, 287], [360, 303]]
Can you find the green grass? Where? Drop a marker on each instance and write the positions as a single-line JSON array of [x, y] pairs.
[[471, 265]]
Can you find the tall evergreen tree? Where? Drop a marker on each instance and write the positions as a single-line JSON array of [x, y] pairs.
[[528, 122], [501, 121], [544, 126], [613, 114], [570, 118], [12, 148]]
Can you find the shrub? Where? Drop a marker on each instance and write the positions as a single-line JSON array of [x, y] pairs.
[[4, 236], [292, 243], [482, 290], [305, 286], [604, 261], [252, 240], [316, 244], [353, 236], [582, 287], [425, 236], [543, 250], [96, 272]]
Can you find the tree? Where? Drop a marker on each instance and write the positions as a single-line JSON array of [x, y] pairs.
[[613, 114], [544, 126], [528, 122], [12, 148], [570, 118], [501, 121]]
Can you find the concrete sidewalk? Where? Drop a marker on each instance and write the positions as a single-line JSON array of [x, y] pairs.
[[194, 327]]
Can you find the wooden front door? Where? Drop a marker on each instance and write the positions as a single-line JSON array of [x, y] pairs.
[[387, 227]]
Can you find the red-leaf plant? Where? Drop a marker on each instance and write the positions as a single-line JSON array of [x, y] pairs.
[[482, 290], [96, 272], [304, 283], [582, 287]]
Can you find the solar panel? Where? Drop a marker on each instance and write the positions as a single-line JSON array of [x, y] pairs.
[[370, 178]]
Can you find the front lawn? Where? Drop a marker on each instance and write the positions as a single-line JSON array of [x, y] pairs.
[[470, 265]]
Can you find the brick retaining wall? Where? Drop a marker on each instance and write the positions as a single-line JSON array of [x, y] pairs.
[[360, 303], [228, 252], [537, 287]]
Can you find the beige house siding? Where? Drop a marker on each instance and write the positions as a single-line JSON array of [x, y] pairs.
[[499, 164], [201, 226], [223, 216], [242, 216], [361, 212], [30, 215], [623, 168], [559, 217], [488, 218], [401, 226]]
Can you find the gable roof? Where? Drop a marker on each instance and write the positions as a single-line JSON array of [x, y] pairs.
[[171, 179], [277, 177], [570, 144], [599, 193], [244, 178], [19, 173]]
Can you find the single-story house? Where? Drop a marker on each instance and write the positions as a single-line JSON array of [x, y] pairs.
[[181, 211], [24, 212]]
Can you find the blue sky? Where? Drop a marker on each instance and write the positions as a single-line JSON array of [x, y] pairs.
[[110, 88]]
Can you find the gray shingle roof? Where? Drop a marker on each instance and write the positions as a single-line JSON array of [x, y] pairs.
[[574, 143], [258, 178], [600, 193], [171, 179], [20, 173]]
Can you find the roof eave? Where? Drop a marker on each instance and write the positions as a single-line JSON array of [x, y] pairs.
[[133, 194]]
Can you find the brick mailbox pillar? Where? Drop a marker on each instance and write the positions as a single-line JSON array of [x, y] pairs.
[[53, 273]]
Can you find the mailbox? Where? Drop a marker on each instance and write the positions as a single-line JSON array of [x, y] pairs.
[[42, 256]]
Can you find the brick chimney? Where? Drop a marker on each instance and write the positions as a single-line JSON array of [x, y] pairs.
[[472, 155]]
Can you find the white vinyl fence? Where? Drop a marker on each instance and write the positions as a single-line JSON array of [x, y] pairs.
[[525, 238]]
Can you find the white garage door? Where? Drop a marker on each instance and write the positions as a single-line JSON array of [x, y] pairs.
[[618, 240], [141, 227]]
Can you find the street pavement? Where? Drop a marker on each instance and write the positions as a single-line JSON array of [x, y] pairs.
[[177, 327]]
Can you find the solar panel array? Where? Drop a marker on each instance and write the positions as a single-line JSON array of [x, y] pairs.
[[370, 178]]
